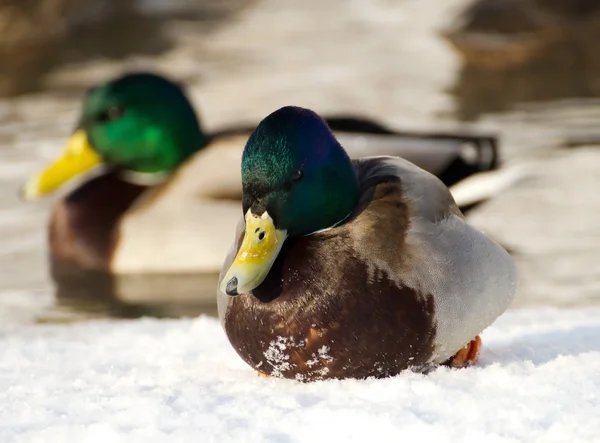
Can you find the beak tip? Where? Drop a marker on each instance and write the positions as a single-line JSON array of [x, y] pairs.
[[232, 287]]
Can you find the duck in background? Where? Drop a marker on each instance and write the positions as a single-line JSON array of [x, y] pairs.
[[352, 268], [150, 196]]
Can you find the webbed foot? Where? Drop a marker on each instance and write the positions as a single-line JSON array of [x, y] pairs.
[[467, 356]]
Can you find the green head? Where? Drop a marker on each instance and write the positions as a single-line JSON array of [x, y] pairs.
[[139, 122], [295, 169], [296, 180]]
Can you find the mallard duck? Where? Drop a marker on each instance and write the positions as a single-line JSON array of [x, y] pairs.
[[150, 193], [352, 268]]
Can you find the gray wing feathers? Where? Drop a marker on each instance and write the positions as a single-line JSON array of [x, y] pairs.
[[472, 279]]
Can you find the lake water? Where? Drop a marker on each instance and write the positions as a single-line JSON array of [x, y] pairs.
[[380, 59]]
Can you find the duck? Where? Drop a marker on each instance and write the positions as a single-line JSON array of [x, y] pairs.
[[356, 268], [145, 194]]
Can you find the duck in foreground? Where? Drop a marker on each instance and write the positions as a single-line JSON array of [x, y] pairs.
[[152, 194], [352, 268]]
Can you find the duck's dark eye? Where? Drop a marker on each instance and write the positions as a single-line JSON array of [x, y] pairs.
[[111, 114], [297, 175]]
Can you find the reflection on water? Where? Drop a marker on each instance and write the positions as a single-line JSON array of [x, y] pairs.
[[171, 295], [523, 51], [87, 30], [565, 71]]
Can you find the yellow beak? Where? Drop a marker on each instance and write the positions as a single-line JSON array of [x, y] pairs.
[[260, 247], [77, 158]]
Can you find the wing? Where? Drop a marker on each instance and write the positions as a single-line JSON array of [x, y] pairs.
[[472, 279]]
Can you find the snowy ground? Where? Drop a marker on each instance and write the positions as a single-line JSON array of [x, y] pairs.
[[179, 381]]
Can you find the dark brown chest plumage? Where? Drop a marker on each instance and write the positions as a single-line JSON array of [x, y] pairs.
[[83, 227], [322, 312]]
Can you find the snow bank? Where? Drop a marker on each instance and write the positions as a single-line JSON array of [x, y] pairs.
[[179, 381]]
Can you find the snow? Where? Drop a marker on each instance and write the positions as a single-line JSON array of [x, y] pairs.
[[153, 380]]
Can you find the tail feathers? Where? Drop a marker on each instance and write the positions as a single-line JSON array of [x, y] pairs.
[[474, 155]]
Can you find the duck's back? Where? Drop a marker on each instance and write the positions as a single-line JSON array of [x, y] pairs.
[[183, 225]]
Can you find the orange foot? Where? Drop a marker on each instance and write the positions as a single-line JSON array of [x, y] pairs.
[[467, 356], [260, 374]]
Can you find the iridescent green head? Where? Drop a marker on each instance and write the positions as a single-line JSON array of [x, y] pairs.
[[295, 169], [296, 180], [142, 123]]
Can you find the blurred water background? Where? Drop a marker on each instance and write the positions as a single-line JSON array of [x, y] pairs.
[[535, 83]]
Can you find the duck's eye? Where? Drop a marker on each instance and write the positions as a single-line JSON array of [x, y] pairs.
[[111, 114], [297, 175]]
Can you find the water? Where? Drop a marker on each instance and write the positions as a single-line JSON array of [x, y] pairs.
[[382, 59]]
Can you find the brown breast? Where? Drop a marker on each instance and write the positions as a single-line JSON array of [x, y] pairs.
[[326, 312], [83, 226]]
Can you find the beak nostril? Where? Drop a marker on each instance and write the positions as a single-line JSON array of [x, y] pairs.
[[261, 236]]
